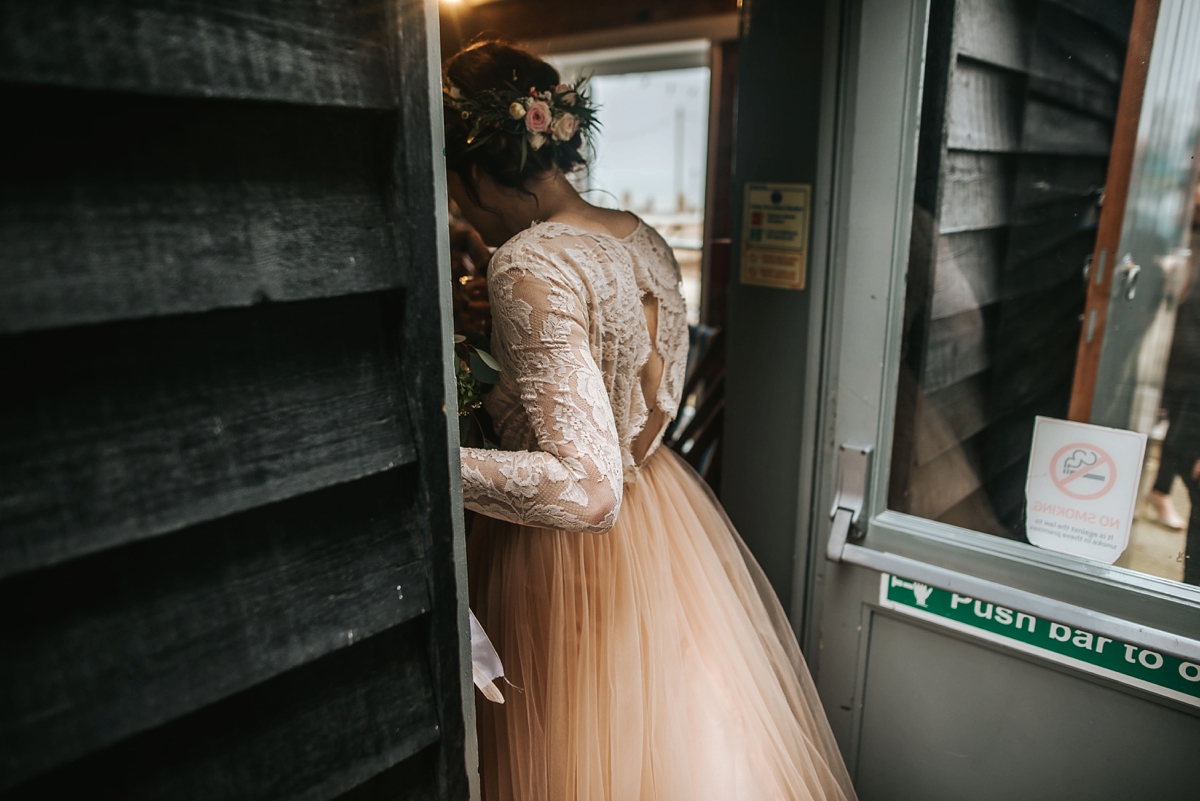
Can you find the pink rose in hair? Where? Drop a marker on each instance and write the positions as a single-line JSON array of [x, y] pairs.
[[537, 117], [564, 127]]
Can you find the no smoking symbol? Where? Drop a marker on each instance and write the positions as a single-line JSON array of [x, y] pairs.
[[1083, 471]]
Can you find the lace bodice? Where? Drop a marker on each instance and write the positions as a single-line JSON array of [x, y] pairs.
[[570, 313]]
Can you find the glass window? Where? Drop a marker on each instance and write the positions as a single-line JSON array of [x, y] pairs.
[[1003, 318], [650, 155]]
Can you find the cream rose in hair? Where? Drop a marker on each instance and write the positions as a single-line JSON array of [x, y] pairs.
[[516, 110], [564, 127], [537, 118]]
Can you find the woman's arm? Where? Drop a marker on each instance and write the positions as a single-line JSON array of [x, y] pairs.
[[574, 480]]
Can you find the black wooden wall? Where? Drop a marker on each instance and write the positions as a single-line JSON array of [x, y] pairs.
[[227, 564], [1018, 111]]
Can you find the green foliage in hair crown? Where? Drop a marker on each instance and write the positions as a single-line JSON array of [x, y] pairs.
[[540, 119]]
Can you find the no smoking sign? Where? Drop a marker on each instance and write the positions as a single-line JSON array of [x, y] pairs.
[[1081, 489], [1083, 471]]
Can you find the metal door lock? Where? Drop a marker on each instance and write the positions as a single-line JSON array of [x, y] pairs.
[[854, 470], [1130, 272]]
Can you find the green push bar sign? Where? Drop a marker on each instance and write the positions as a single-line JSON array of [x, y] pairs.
[[1129, 664]]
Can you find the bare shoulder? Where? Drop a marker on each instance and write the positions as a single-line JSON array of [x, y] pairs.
[[610, 222], [620, 224]]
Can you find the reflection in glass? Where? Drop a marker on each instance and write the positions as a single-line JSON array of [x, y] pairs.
[[1019, 108]]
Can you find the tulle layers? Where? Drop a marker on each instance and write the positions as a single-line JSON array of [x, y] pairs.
[[651, 663]]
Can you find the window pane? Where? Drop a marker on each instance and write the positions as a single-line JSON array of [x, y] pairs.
[[1018, 121], [650, 158]]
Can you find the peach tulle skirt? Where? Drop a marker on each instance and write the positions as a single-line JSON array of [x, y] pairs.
[[651, 663]]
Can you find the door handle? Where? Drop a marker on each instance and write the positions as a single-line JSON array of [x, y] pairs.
[[854, 471], [1130, 272]]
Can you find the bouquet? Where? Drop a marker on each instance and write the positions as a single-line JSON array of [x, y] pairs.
[[476, 371]]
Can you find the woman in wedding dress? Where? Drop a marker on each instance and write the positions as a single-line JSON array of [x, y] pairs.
[[647, 657]]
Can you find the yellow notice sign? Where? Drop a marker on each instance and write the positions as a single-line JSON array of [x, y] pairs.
[[775, 235]]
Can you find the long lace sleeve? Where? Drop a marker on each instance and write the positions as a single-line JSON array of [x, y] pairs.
[[574, 480]]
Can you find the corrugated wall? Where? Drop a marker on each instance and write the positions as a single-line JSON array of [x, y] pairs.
[[226, 540]]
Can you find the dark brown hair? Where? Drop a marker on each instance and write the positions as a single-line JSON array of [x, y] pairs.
[[493, 65]]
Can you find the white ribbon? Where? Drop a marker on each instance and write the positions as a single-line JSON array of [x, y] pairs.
[[485, 663]]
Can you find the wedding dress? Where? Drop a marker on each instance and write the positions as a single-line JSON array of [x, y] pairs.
[[646, 656]]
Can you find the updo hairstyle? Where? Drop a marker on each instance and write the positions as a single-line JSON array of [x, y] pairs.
[[494, 65]]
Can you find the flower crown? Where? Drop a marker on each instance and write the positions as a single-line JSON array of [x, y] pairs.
[[539, 118]]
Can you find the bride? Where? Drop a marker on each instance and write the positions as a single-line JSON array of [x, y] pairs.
[[647, 657]]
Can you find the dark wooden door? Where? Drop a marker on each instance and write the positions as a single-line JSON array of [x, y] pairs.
[[227, 537]]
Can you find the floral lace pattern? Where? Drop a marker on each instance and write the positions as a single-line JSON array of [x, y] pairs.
[[572, 339]]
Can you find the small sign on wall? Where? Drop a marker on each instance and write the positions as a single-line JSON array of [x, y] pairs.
[[775, 235], [1081, 490]]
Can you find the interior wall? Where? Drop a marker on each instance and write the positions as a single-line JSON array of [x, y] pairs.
[[776, 140]]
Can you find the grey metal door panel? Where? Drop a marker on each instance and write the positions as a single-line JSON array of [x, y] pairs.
[[1157, 215], [948, 718], [918, 712]]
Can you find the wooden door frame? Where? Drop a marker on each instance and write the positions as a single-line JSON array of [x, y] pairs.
[[1112, 213]]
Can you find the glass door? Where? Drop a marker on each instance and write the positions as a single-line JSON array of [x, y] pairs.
[[1013, 201]]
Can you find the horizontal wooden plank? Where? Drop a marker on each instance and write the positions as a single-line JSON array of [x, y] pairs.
[[1113, 16], [1006, 492], [414, 779], [985, 108], [1053, 128], [1059, 266], [977, 513], [968, 270], [1069, 213], [963, 405], [1035, 323], [996, 31], [1098, 101], [1045, 180], [1030, 241], [313, 733], [117, 643], [1008, 440], [127, 430], [939, 484], [1026, 380], [958, 347], [976, 190], [326, 52], [1062, 36], [936, 432], [116, 207], [1075, 66]]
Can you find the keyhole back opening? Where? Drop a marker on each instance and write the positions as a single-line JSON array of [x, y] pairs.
[[650, 378]]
